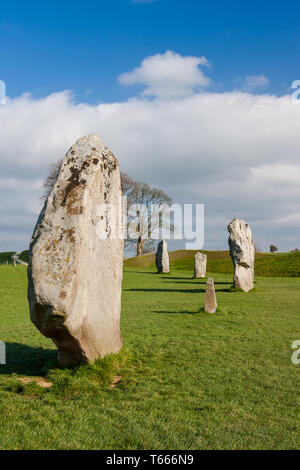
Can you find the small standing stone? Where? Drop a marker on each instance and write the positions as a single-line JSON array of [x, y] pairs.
[[162, 257], [210, 297], [200, 265]]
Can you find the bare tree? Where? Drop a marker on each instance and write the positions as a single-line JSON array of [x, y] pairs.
[[49, 182], [146, 209], [140, 196]]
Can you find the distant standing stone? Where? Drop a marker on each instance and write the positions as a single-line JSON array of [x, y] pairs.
[[242, 252], [75, 275], [162, 257], [210, 297], [16, 259], [200, 265]]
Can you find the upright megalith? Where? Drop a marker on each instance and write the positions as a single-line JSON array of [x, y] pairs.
[[242, 252], [200, 261], [162, 257], [210, 297], [75, 265]]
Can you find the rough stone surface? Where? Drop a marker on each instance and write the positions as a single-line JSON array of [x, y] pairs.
[[74, 277], [200, 261], [162, 257], [242, 252], [15, 258], [210, 297]]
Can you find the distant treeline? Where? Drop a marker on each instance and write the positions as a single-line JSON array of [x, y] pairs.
[[6, 257]]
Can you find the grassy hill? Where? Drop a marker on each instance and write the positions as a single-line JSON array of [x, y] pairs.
[[266, 264]]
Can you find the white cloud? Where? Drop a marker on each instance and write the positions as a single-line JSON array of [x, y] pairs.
[[253, 83], [235, 152], [168, 75], [257, 81]]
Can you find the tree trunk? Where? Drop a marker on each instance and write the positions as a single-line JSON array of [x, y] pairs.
[[139, 247]]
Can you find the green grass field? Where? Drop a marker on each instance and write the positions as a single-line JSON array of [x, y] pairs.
[[189, 380]]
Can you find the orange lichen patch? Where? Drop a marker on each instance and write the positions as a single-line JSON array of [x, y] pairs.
[[73, 205], [63, 294], [52, 246], [117, 379], [39, 380], [75, 180], [70, 234]]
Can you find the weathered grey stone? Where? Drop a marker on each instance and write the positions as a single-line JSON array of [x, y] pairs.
[[200, 261], [15, 258], [242, 252], [162, 257], [210, 297], [74, 276]]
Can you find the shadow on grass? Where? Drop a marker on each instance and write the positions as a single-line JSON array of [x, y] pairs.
[[139, 272], [193, 281], [27, 360], [181, 291], [182, 312], [179, 278], [194, 312]]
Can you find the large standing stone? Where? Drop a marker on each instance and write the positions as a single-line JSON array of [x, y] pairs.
[[200, 261], [75, 275], [162, 257], [242, 252], [210, 297]]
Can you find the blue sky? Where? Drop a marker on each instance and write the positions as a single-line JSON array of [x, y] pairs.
[[84, 46], [192, 97]]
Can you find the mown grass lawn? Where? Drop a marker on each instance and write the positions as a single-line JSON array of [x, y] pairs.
[[190, 380]]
